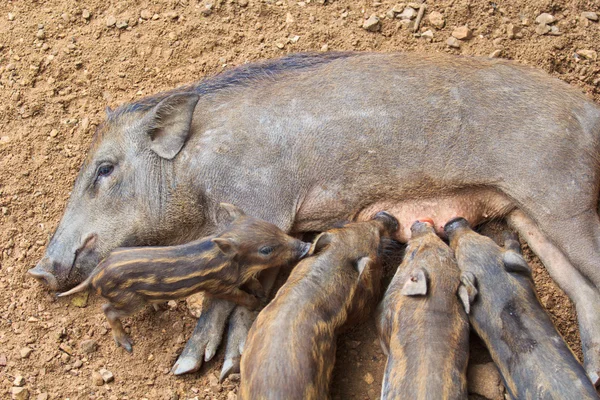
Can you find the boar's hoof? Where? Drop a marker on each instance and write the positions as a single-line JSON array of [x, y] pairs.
[[416, 285], [206, 336]]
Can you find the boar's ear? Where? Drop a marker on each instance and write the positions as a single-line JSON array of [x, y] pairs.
[[362, 264], [320, 243], [515, 263], [467, 291], [232, 211], [170, 123], [226, 245], [416, 284]]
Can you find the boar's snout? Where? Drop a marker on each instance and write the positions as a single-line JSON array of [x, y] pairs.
[[389, 221], [42, 273]]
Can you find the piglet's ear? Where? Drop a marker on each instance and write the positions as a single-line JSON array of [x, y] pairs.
[[362, 264], [467, 291], [416, 284], [320, 243], [226, 245], [169, 123], [231, 211]]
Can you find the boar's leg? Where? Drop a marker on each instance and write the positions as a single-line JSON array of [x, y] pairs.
[[584, 294], [239, 324], [206, 336]]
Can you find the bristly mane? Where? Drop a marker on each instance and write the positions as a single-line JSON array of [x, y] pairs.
[[242, 75]]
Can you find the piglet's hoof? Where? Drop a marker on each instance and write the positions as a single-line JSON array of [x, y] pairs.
[[206, 336], [125, 342]]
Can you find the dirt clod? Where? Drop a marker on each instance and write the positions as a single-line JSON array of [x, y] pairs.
[[106, 375], [97, 378], [25, 352], [19, 393], [436, 19], [484, 380], [88, 346], [545, 19], [462, 33], [372, 24]]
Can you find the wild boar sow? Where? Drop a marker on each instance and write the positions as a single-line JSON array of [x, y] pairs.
[[310, 139]]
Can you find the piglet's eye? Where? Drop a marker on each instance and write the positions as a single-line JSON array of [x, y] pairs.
[[265, 250], [104, 170]]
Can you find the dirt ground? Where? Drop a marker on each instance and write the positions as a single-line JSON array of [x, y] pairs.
[[63, 61]]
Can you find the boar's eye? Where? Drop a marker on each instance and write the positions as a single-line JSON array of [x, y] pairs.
[[104, 170], [265, 250]]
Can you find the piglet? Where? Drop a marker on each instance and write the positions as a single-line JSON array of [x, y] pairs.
[[219, 265], [498, 293], [290, 350], [423, 328]]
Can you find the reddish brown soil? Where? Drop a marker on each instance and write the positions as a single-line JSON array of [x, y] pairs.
[[54, 87]]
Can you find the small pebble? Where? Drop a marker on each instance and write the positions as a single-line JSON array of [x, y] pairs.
[[111, 21], [66, 348], [77, 364], [588, 54], [42, 396], [97, 378], [11, 16], [372, 24], [107, 376], [19, 381], [545, 19], [462, 33], [86, 14], [40, 34], [368, 378], [408, 13], [542, 29], [428, 34], [145, 14], [122, 24], [453, 42], [25, 352], [19, 393], [592, 16], [88, 346], [436, 19]]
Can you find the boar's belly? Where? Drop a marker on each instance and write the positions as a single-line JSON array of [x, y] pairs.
[[475, 205]]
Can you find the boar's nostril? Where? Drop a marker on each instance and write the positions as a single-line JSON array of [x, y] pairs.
[[45, 278]]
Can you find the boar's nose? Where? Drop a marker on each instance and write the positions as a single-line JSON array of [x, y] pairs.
[[390, 222], [40, 273]]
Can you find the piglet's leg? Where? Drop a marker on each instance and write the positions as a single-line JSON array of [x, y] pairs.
[[113, 316], [239, 324], [583, 294], [206, 336]]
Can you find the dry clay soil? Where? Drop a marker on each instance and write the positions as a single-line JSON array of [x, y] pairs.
[[63, 62]]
